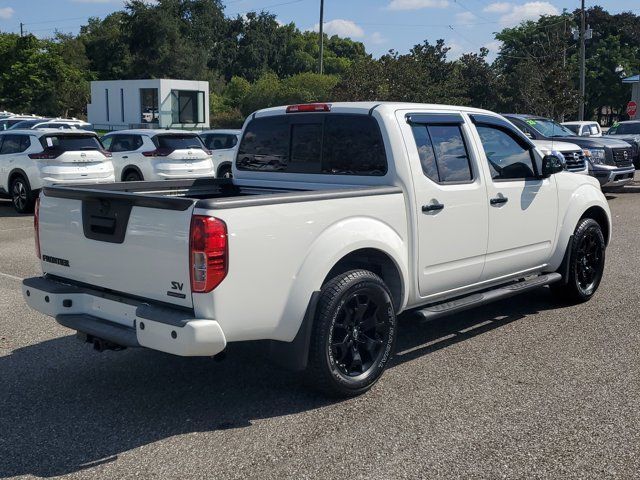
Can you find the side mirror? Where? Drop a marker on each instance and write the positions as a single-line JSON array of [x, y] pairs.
[[550, 165]]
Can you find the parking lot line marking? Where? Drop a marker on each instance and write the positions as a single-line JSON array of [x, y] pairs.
[[12, 277]]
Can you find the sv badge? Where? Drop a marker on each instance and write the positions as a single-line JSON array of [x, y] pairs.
[[176, 287]]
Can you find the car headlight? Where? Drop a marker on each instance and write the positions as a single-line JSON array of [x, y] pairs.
[[595, 155]]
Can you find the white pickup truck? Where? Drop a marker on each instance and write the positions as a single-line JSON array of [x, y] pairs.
[[339, 217]]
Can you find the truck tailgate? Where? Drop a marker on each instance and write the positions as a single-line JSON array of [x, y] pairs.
[[120, 244]]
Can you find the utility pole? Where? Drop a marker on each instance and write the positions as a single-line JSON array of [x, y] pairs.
[[321, 37], [582, 64], [21, 28]]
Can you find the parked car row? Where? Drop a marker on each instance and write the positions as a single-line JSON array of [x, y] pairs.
[[40, 155], [9, 121]]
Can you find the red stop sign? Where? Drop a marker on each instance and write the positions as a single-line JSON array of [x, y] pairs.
[[632, 108]]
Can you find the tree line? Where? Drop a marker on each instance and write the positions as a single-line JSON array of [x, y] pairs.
[[253, 61]]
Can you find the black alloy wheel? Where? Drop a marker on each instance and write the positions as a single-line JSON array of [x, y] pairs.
[[586, 263], [353, 334], [359, 333]]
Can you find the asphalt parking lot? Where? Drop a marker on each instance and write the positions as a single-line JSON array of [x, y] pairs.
[[524, 388]]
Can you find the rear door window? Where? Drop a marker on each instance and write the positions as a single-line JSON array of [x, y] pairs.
[[68, 143], [443, 153], [338, 144], [178, 142], [220, 141], [14, 144], [124, 143]]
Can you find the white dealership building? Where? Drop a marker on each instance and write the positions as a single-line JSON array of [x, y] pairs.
[[153, 103]]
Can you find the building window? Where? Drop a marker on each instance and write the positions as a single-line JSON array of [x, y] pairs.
[[106, 98], [149, 105], [187, 106]]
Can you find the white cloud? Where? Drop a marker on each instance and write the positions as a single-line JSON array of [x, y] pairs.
[[341, 27], [498, 7], [455, 50], [512, 14], [493, 46], [465, 17], [377, 39], [417, 4], [6, 13], [528, 11]]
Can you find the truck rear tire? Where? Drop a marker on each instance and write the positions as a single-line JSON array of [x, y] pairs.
[[586, 263], [353, 334]]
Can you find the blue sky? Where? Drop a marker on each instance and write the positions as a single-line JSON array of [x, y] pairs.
[[466, 25]]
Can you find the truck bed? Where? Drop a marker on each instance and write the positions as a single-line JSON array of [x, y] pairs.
[[210, 194]]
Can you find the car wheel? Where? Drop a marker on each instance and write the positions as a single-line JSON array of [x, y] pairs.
[[353, 334], [21, 195], [132, 176], [586, 263], [225, 172]]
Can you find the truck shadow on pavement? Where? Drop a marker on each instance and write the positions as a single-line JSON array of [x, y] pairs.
[[65, 408]]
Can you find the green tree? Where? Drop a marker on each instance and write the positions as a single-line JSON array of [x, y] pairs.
[[533, 62]]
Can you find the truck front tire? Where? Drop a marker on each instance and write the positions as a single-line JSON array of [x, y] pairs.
[[586, 263], [353, 334]]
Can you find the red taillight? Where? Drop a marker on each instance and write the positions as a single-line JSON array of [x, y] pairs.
[[158, 152], [45, 155], [208, 253], [36, 225], [309, 107]]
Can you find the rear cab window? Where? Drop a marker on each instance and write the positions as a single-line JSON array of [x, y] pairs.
[[316, 143]]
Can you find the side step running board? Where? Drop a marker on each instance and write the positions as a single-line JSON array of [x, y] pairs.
[[477, 299]]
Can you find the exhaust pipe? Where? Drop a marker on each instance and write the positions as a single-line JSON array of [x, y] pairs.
[[99, 344]]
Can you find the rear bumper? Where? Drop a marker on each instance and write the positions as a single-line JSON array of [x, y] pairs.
[[74, 180], [124, 321]]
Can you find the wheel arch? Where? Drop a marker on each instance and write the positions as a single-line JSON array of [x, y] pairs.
[[586, 201], [376, 261], [128, 169], [222, 166], [599, 215], [360, 242], [15, 173]]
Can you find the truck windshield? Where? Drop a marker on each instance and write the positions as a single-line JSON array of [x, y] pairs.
[[69, 143], [549, 128], [315, 143], [626, 129]]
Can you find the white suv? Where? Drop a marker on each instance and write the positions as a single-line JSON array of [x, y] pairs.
[[224, 145], [32, 159], [158, 155]]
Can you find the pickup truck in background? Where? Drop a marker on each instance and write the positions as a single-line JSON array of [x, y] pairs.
[[338, 218], [610, 160]]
